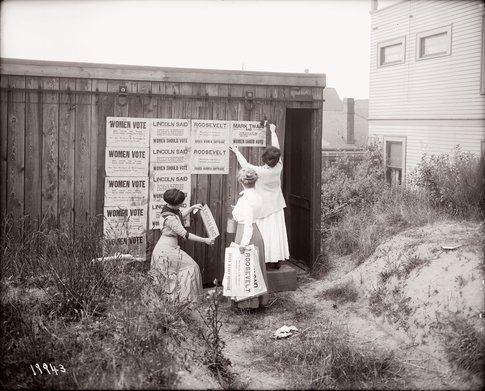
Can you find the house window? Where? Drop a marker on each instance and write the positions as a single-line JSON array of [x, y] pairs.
[[434, 43], [394, 159], [391, 52]]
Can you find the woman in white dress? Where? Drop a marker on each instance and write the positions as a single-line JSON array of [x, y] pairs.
[[172, 267], [247, 232], [270, 219]]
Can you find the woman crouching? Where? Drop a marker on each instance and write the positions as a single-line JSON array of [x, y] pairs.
[[247, 231], [172, 267]]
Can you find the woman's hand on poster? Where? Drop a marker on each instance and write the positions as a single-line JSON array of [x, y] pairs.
[[272, 127], [209, 241], [196, 207], [233, 148]]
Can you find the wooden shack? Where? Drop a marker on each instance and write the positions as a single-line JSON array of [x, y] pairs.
[[53, 138]]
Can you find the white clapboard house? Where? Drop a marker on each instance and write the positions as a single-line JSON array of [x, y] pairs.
[[427, 80]]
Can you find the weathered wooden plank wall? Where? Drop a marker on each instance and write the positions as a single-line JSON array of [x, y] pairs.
[[53, 145]]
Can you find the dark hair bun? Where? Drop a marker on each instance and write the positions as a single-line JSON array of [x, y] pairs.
[[174, 196], [271, 156]]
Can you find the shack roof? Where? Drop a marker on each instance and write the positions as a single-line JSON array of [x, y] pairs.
[[13, 66]]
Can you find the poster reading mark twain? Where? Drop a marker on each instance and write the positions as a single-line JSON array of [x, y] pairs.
[[124, 191], [169, 145], [125, 222], [210, 146], [158, 185], [121, 161], [248, 134], [127, 132]]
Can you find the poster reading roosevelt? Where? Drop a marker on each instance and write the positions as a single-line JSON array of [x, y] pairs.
[[126, 161], [169, 145], [248, 134], [210, 146], [127, 132], [159, 183]]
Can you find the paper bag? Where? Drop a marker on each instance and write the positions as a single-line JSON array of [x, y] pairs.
[[243, 277]]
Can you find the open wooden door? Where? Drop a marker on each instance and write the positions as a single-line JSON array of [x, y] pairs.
[[298, 184]]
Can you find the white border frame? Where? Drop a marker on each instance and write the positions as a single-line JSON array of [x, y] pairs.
[[391, 42], [400, 139], [439, 30]]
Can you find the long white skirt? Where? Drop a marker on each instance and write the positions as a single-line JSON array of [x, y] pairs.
[[273, 231]]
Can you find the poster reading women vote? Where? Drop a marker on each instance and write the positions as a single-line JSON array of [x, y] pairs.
[[210, 146], [248, 134], [127, 132], [126, 161], [124, 191], [159, 183], [169, 145], [125, 222]]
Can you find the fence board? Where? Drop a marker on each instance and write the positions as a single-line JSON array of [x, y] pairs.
[[67, 128], [16, 145], [82, 154], [33, 151], [3, 145], [50, 150]]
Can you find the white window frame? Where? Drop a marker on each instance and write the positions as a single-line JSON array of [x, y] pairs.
[[391, 42], [428, 33], [400, 139]]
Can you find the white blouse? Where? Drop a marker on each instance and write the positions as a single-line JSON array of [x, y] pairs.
[[245, 211]]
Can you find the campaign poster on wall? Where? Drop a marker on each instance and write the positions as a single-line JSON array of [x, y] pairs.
[[126, 161], [169, 145], [127, 132], [135, 246], [125, 191], [248, 134], [210, 146], [158, 185], [125, 222]]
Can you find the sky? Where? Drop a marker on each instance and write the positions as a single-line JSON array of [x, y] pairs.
[[322, 36]]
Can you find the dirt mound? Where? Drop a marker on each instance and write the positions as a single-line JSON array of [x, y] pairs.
[[424, 279]]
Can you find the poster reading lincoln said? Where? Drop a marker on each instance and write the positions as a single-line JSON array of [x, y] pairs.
[[169, 145], [158, 185], [248, 134], [127, 132], [210, 146]]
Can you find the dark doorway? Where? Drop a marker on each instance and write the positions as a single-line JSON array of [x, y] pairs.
[[297, 183]]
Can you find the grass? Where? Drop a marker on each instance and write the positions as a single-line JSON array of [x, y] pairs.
[[464, 346], [341, 293], [326, 358], [107, 323]]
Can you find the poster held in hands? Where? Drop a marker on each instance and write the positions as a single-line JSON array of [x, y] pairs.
[[243, 277], [210, 224]]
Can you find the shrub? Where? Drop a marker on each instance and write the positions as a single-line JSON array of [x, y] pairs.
[[464, 345], [327, 359], [353, 183], [341, 293], [453, 184]]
